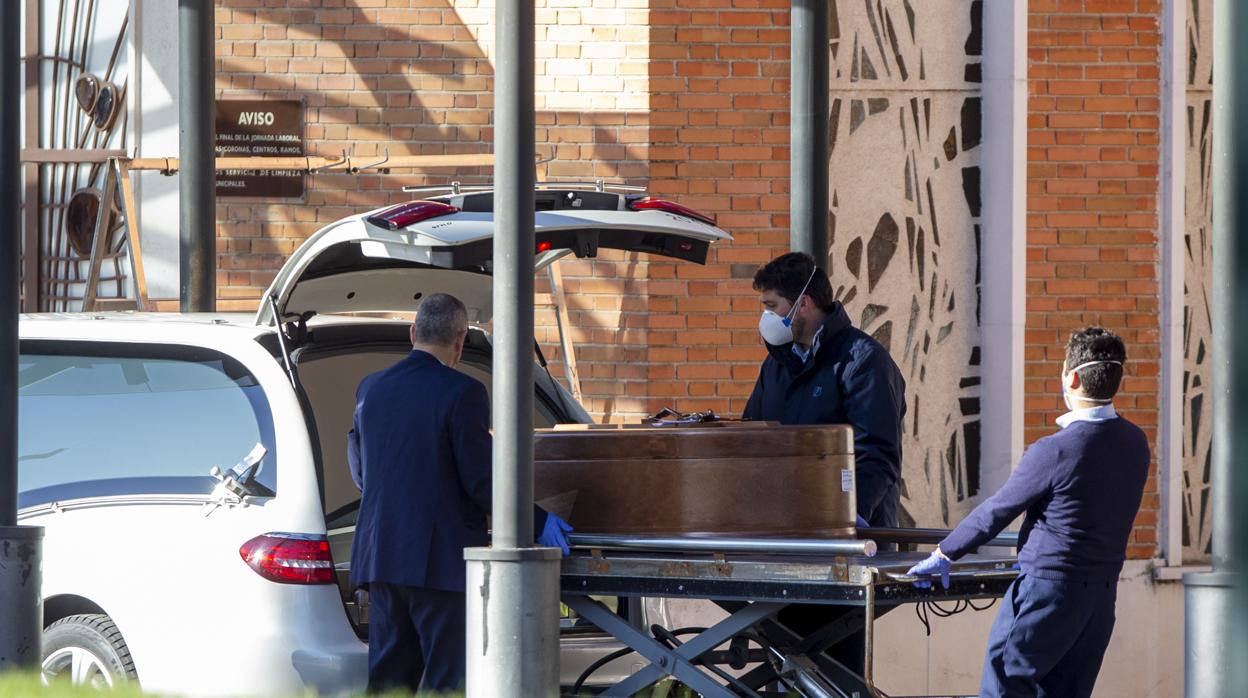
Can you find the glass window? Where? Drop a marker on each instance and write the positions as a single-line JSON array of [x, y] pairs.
[[153, 422]]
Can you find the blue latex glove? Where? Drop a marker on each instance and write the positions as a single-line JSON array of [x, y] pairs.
[[933, 565], [555, 534], [860, 522]]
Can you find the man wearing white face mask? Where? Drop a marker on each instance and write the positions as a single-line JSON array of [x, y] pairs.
[[823, 370], [1080, 489]]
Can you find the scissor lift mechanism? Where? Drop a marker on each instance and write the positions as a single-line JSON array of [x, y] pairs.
[[752, 580]]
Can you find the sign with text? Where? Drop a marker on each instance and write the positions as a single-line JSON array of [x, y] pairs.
[[247, 127]]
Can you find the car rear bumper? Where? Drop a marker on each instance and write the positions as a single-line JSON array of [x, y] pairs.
[[343, 671]]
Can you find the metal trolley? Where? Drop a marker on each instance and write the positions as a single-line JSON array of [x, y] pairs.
[[753, 580]]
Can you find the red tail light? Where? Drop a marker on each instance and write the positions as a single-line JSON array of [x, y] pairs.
[[290, 558], [649, 202], [404, 215]]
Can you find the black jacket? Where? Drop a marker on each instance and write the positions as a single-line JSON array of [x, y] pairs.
[[851, 380], [423, 451]]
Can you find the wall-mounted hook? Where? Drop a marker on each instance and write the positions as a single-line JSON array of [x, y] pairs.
[[345, 159], [379, 163]]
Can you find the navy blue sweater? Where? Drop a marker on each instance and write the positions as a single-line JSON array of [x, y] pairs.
[[1081, 489]]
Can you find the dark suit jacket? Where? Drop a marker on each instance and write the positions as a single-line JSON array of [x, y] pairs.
[[424, 465], [850, 380]]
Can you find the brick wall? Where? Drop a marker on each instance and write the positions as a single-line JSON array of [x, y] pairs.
[[719, 143], [1092, 230], [417, 79]]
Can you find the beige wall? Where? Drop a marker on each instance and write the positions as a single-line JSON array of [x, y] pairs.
[[1145, 657]]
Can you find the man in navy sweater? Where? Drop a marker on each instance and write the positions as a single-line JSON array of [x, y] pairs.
[[1080, 489]]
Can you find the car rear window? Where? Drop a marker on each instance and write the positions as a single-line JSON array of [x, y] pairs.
[[154, 421]]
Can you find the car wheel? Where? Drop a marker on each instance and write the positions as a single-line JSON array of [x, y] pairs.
[[88, 650]]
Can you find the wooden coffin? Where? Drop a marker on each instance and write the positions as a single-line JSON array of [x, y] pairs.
[[726, 478]]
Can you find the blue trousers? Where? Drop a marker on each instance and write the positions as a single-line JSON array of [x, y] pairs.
[[1049, 638], [414, 635]]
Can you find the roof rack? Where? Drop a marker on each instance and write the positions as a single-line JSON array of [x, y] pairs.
[[596, 185]]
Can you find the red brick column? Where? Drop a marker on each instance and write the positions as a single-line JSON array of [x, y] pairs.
[[719, 143]]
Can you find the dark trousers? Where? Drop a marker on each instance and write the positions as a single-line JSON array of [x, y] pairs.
[[805, 619], [1049, 638], [415, 634]]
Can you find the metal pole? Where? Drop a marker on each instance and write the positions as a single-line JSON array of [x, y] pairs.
[[728, 544], [21, 607], [1215, 610], [513, 275], [197, 177], [808, 129], [10, 227], [513, 587]]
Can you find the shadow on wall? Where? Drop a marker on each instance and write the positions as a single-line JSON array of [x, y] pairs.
[[417, 81]]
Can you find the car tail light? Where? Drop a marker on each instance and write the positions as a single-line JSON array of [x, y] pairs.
[[404, 215], [290, 558], [649, 203]]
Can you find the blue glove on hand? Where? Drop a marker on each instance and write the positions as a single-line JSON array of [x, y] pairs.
[[555, 534], [934, 564], [860, 522]]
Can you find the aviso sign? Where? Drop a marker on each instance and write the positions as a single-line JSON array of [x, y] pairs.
[[270, 128]]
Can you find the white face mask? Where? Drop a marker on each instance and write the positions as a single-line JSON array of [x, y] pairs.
[[1066, 396], [778, 329]]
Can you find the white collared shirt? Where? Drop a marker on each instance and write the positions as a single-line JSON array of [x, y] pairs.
[[1100, 413], [814, 346]]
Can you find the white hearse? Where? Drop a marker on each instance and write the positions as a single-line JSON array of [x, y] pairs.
[[190, 470]]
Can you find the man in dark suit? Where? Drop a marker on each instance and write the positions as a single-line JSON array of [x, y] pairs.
[[820, 369], [421, 454]]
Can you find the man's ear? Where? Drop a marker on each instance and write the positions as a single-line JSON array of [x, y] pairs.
[[1072, 381], [411, 333]]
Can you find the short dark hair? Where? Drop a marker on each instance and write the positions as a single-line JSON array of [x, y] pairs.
[[1100, 381], [439, 320], [787, 274]]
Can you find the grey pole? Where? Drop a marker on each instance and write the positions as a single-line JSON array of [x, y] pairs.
[[21, 605], [514, 250], [196, 171], [808, 130], [10, 225], [513, 587], [1215, 613]]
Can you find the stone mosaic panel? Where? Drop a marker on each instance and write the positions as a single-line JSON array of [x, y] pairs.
[[1197, 285], [905, 135]]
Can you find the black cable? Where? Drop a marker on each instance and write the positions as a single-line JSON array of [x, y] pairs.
[[598, 664], [990, 604], [925, 609], [603, 661]]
